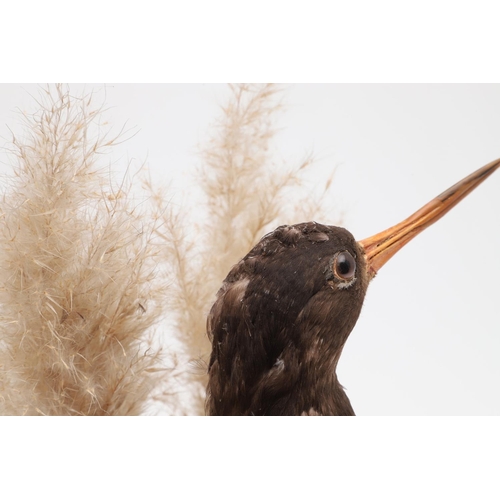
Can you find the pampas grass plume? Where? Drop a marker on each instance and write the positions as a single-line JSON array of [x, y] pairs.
[[245, 195], [78, 295]]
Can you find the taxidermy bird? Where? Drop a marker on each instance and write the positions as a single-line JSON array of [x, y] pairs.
[[285, 311]]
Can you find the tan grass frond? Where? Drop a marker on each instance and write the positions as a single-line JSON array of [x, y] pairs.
[[78, 294], [246, 195]]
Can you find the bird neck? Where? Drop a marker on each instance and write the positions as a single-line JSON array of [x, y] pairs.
[[298, 383], [316, 391]]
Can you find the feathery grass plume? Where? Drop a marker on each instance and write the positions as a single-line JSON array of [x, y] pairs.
[[246, 196], [78, 298]]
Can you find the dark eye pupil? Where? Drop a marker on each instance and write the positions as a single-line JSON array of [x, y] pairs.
[[345, 265]]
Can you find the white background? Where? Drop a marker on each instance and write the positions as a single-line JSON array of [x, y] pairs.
[[425, 41], [428, 339]]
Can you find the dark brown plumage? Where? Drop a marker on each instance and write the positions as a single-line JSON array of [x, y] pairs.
[[285, 311], [280, 315]]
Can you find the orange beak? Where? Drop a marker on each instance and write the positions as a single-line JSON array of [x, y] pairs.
[[381, 247]]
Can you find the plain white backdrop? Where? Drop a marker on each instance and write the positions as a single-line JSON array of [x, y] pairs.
[[428, 339]]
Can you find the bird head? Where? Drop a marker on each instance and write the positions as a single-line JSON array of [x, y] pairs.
[[285, 311]]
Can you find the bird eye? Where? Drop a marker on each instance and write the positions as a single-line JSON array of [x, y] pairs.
[[344, 266]]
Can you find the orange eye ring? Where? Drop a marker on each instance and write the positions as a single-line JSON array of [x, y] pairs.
[[344, 266]]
